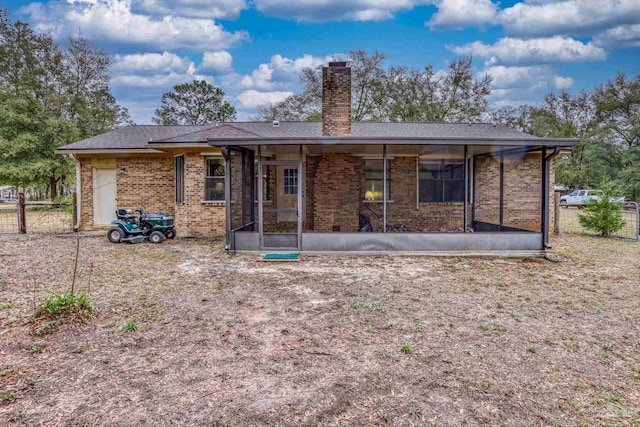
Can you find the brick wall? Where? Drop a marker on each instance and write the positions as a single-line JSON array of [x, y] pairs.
[[86, 194], [195, 218], [146, 182], [339, 189]]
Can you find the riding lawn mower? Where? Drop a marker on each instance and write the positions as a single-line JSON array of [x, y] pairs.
[[128, 228]]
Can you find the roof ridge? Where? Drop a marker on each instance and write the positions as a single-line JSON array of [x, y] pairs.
[[245, 130], [206, 127]]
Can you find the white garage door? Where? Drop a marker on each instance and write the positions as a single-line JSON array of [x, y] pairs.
[[104, 196]]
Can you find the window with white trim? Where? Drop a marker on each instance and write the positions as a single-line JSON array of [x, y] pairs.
[[213, 179], [290, 181]]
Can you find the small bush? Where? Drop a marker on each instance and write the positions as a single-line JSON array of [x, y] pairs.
[[603, 216], [65, 305], [61, 308]]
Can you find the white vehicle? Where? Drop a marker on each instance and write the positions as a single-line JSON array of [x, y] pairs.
[[580, 198]]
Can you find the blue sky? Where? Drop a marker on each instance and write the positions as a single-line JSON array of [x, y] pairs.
[[255, 49]]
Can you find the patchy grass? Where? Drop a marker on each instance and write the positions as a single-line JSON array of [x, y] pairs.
[[228, 340]]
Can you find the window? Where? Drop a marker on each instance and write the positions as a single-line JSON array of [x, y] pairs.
[[213, 179], [291, 181], [179, 171], [373, 178], [441, 181]]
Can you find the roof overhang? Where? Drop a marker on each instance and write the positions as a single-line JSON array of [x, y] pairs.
[[544, 142], [109, 151]]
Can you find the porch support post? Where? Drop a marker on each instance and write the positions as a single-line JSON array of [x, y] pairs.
[[226, 153], [248, 192], [501, 190], [260, 199], [466, 188], [300, 210], [384, 188], [473, 183], [544, 215]]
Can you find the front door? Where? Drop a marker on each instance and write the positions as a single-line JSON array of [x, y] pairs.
[[288, 187], [104, 196]]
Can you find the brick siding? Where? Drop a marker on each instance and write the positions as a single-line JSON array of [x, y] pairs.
[[336, 101]]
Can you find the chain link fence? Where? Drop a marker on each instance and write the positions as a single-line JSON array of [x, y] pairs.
[[570, 221]]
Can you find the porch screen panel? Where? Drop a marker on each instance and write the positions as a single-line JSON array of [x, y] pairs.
[[374, 177], [441, 181]]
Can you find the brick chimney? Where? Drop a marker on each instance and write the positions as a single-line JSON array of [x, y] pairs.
[[336, 100]]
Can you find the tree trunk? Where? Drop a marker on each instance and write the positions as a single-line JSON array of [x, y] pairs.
[[53, 186]]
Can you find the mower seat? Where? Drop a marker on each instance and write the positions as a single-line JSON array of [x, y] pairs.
[[124, 215]]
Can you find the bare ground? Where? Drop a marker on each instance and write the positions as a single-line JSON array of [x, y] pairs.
[[226, 340]]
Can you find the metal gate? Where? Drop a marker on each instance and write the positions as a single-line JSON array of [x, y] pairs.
[[9, 218], [629, 212]]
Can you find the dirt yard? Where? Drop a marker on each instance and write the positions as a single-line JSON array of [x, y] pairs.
[[227, 341]]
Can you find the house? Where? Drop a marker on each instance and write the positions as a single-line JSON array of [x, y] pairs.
[[310, 186]]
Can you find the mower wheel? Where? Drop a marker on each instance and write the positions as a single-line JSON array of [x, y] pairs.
[[115, 235], [171, 234], [156, 237]]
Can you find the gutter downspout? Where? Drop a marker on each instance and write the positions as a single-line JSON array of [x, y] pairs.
[[76, 226], [545, 204]]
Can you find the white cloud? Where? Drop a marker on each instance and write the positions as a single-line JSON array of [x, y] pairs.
[[530, 78], [624, 36], [279, 73], [335, 10], [458, 14], [167, 80], [577, 17], [252, 98], [218, 62], [156, 62], [560, 82], [512, 51], [153, 71], [210, 9], [114, 21]]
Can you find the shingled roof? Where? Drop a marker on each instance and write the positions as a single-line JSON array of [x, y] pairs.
[[141, 137]]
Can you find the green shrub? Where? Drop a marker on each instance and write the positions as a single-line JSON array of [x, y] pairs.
[[65, 305], [130, 326], [61, 308], [603, 216]]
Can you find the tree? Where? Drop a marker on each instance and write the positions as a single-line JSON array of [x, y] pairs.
[[49, 96], [393, 94], [195, 103], [412, 95], [603, 215]]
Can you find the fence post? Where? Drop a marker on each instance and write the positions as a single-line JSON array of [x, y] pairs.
[[22, 218], [556, 213]]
